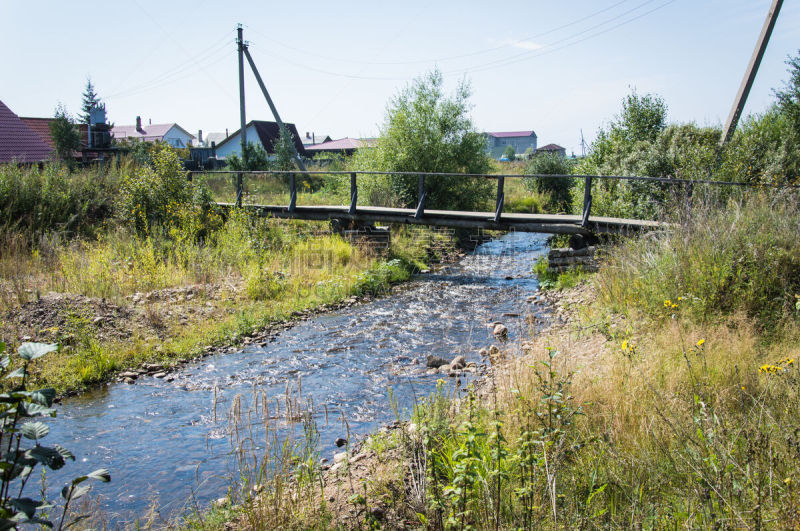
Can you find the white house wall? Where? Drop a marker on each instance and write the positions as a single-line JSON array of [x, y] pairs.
[[234, 144], [177, 138]]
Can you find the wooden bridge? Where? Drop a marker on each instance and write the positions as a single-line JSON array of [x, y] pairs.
[[584, 224]]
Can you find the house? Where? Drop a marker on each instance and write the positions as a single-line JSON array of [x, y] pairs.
[[553, 148], [172, 134], [41, 126], [18, 142], [259, 132], [497, 142], [343, 145], [312, 138]]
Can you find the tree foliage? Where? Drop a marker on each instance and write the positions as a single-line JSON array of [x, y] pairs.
[[557, 188], [90, 99], [788, 99], [426, 130], [510, 153], [65, 134]]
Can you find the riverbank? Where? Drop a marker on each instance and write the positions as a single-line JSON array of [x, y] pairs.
[[128, 332]]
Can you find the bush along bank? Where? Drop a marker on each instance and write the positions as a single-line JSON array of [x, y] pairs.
[[647, 405]]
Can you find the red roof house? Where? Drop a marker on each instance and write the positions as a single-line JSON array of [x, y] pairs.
[[18, 142]]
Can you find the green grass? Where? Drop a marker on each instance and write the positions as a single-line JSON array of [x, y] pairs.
[[558, 280]]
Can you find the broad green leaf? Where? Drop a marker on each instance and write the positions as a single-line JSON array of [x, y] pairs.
[[26, 505], [47, 456], [66, 454], [16, 373], [44, 396], [72, 492], [32, 409], [34, 430], [31, 351], [101, 474]]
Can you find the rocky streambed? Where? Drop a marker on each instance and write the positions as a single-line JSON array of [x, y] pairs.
[[165, 435]]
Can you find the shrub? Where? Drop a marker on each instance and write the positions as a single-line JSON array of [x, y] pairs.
[[557, 188], [159, 193], [427, 131]]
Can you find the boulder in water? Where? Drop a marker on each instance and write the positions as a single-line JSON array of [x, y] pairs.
[[500, 331], [435, 361], [458, 362]]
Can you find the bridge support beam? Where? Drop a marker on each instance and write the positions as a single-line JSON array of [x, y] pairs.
[[292, 193], [498, 209], [421, 194], [353, 194], [587, 201]]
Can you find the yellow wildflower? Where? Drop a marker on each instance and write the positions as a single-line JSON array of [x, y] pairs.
[[701, 342], [667, 303]]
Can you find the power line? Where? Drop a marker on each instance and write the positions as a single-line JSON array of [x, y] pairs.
[[446, 58], [550, 48]]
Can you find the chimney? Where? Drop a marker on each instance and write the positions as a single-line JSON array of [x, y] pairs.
[[199, 137], [138, 123], [149, 121], [308, 135], [313, 140], [226, 132]]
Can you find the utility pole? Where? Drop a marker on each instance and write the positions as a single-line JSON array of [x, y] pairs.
[[272, 106], [750, 73], [242, 119]]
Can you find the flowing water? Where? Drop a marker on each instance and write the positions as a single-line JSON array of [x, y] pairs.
[[166, 442]]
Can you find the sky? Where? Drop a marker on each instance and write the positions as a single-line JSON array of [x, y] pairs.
[[559, 68]]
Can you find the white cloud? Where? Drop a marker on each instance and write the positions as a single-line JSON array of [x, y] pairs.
[[524, 45]]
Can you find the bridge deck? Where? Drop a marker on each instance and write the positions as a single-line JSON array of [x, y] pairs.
[[546, 223]]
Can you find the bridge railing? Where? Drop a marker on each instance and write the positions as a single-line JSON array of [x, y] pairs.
[[278, 187]]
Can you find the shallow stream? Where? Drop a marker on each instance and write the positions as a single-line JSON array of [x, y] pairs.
[[166, 443]]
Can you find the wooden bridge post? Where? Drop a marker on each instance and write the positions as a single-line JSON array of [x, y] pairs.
[[353, 193], [587, 201], [293, 192], [421, 196], [498, 209], [239, 187]]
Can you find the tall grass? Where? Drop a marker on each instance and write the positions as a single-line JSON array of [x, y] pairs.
[[37, 201], [743, 255]]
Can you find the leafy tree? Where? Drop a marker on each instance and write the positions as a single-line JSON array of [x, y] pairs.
[[510, 153], [426, 130], [642, 117], [66, 136], [789, 98], [90, 99], [557, 188]]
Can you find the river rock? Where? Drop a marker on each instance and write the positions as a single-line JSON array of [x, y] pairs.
[[340, 442], [128, 380], [459, 362], [435, 361], [500, 331], [483, 352], [219, 503], [493, 350], [444, 369], [159, 374], [129, 374], [432, 371], [340, 457]]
